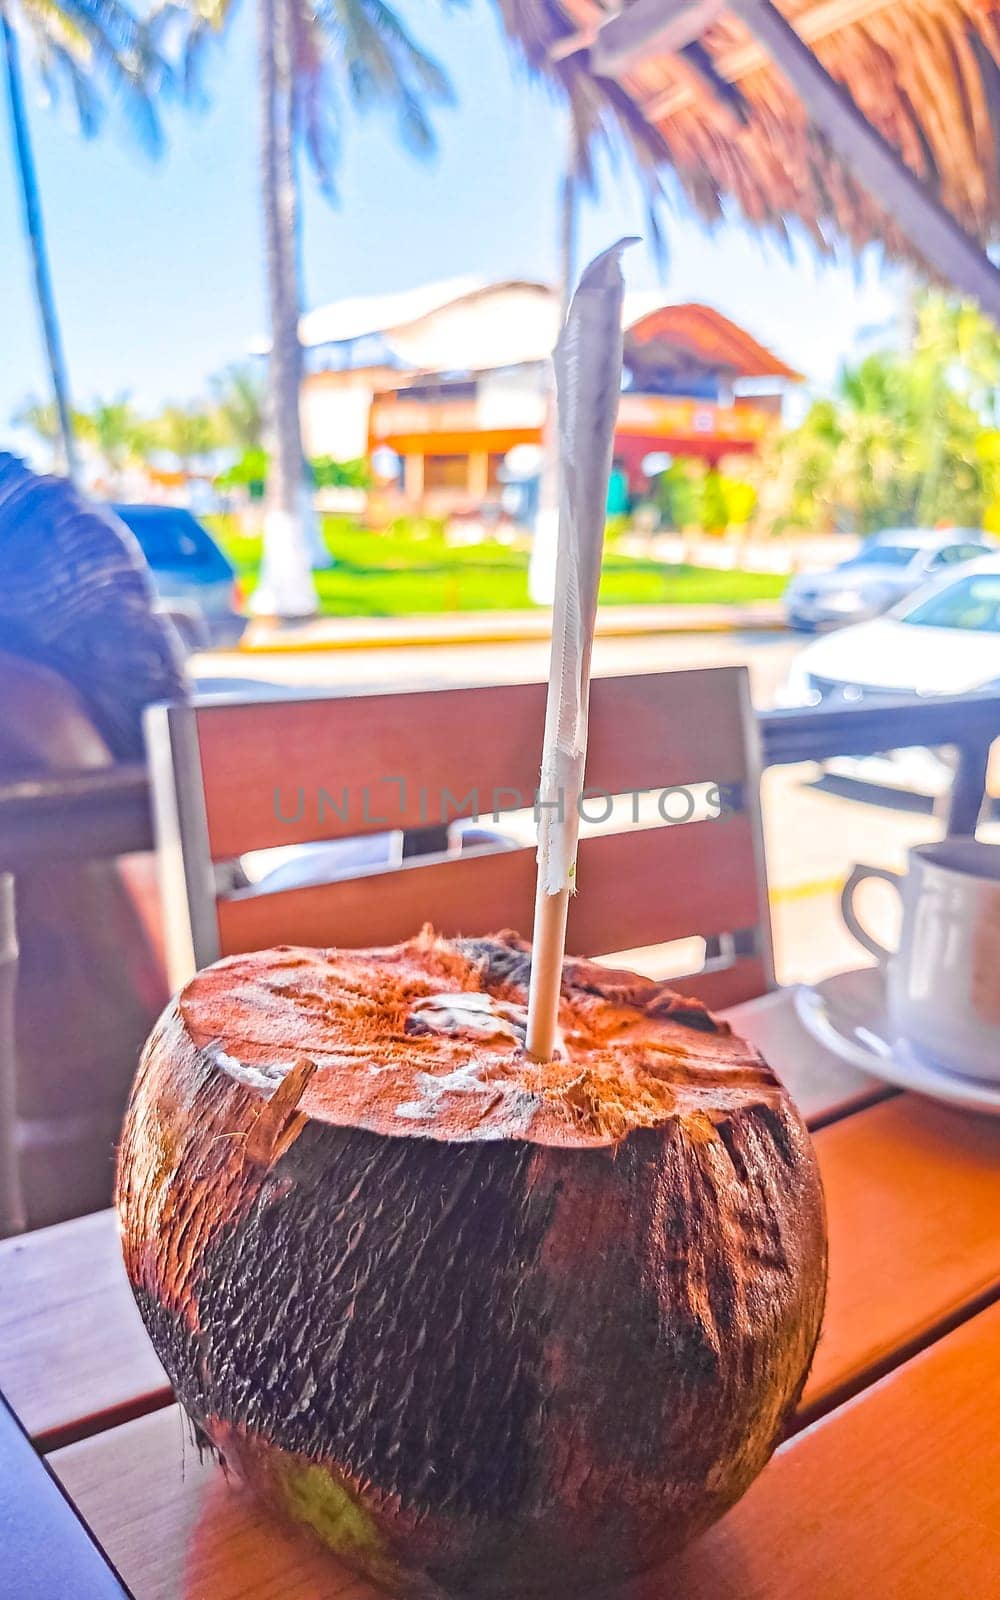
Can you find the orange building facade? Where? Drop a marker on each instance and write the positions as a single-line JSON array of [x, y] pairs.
[[446, 429]]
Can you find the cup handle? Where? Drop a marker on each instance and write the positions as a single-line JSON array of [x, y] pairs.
[[864, 938]]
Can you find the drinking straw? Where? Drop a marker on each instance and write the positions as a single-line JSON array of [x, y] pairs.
[[588, 367]]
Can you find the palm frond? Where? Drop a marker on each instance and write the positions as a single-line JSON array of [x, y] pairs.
[[62, 60], [47, 20], [128, 62], [408, 59], [86, 98], [184, 32], [370, 50], [415, 127], [605, 118], [317, 102], [98, 47]]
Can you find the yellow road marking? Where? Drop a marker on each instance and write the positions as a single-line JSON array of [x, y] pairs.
[[806, 891]]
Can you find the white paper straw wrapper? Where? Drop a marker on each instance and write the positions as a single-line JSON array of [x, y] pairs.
[[588, 365]]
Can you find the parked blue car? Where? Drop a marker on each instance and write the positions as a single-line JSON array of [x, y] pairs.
[[195, 582]]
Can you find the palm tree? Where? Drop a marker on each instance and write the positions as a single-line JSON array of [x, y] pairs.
[[286, 586], [240, 398], [591, 111], [542, 564], [312, 61], [955, 335], [77, 44], [905, 439], [116, 433], [41, 417], [188, 433]]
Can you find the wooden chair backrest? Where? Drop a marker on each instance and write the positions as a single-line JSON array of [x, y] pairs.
[[13, 1217], [229, 778]]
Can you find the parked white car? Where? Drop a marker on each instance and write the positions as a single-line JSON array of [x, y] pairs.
[[943, 640], [887, 568]]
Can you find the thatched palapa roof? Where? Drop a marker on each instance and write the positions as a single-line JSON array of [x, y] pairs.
[[925, 73]]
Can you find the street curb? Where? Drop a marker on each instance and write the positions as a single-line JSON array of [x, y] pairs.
[[298, 639]]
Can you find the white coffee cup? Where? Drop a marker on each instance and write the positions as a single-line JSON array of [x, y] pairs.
[[943, 983]]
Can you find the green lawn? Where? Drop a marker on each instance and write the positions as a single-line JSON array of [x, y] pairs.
[[410, 568]]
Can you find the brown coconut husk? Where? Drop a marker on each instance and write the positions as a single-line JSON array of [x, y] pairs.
[[490, 1327]]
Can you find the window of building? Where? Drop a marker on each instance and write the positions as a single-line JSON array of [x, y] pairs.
[[446, 472]]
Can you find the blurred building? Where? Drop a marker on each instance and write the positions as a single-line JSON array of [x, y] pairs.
[[451, 376]]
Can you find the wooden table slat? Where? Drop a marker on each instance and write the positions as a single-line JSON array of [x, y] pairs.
[[895, 1495], [74, 1355], [913, 1196]]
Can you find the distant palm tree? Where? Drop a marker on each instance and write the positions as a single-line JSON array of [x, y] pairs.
[[905, 440], [313, 59], [592, 110], [117, 434], [77, 45], [573, 178], [188, 433], [240, 396], [41, 417]]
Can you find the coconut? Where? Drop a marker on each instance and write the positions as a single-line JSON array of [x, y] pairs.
[[489, 1327]]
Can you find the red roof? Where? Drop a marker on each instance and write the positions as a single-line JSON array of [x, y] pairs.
[[708, 337]]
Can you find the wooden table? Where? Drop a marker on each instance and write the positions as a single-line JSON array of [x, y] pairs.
[[887, 1489]]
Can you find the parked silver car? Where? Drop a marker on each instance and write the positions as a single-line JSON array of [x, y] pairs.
[[886, 569]]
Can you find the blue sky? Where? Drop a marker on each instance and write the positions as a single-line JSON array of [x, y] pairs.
[[158, 265]]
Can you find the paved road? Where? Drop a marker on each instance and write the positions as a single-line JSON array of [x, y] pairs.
[[813, 836], [766, 654]]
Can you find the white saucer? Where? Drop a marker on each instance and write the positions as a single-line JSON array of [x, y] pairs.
[[847, 1014]]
